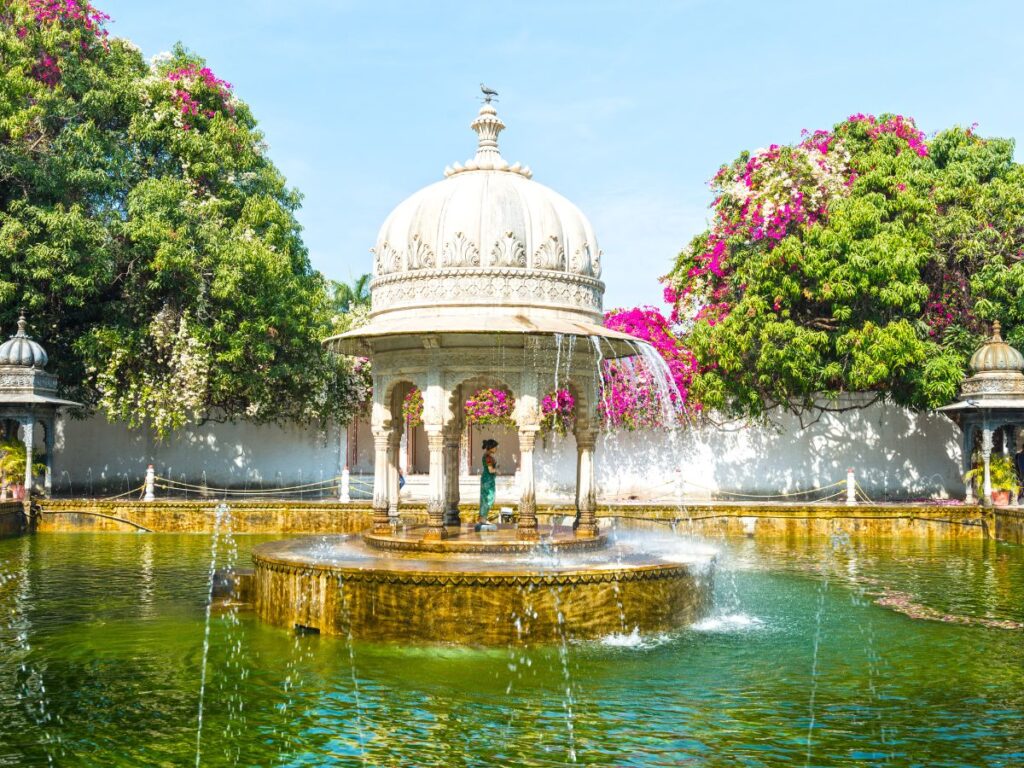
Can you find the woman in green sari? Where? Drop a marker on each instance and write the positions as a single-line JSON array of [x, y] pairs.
[[488, 471]]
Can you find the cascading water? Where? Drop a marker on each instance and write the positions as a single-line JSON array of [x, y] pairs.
[[221, 529]]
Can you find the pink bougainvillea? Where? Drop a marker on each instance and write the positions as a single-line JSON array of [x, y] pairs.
[[897, 125], [199, 93], [557, 409], [46, 70], [767, 195], [412, 407], [70, 12], [490, 406], [633, 395]]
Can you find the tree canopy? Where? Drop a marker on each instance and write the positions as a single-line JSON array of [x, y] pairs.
[[148, 235], [865, 258]]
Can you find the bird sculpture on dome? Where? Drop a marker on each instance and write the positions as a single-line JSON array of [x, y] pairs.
[[489, 93]]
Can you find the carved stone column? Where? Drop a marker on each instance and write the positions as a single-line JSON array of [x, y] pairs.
[[452, 445], [394, 457], [48, 426], [1009, 449], [967, 455], [586, 493], [528, 491], [381, 441], [28, 435], [436, 487], [986, 455]]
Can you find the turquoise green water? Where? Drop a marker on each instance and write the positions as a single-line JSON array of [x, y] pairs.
[[101, 651]]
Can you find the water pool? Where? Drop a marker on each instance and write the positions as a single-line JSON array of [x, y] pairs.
[[102, 649]]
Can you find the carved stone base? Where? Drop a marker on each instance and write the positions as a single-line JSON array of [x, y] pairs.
[[451, 598], [586, 523], [435, 522], [527, 534], [381, 520], [527, 519], [503, 541], [434, 533]]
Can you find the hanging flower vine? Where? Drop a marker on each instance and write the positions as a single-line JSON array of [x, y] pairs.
[[490, 406], [412, 407], [558, 412]]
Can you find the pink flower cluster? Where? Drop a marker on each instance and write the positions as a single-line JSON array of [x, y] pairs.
[[192, 83], [898, 125], [632, 396], [46, 70], [764, 197], [948, 303], [557, 411], [767, 196], [629, 396], [412, 407], [559, 401], [490, 406], [70, 12]]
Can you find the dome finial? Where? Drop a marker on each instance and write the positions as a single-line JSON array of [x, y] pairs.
[[997, 328], [488, 157], [22, 324], [487, 126]]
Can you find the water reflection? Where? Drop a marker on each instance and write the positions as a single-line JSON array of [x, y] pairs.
[[111, 630]]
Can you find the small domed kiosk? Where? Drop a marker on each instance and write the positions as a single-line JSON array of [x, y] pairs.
[[486, 259], [990, 406], [28, 395]]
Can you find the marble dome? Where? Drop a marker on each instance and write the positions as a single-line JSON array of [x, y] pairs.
[[22, 350], [486, 235]]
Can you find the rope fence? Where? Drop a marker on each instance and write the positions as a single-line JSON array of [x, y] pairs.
[[341, 486]]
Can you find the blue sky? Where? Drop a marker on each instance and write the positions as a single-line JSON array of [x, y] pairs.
[[626, 108]]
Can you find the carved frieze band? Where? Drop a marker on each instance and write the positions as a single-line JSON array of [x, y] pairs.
[[1008, 384], [478, 579], [485, 285]]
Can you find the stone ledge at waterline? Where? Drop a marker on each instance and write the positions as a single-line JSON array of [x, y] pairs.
[[11, 518], [711, 518]]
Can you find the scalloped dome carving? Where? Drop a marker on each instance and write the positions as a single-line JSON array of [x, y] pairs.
[[487, 227], [995, 355], [22, 350]]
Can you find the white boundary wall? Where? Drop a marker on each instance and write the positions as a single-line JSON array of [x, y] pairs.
[[97, 457], [895, 453]]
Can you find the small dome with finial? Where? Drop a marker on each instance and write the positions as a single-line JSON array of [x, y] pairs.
[[23, 350], [996, 356]]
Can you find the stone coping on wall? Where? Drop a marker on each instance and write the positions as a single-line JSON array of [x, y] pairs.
[[285, 516]]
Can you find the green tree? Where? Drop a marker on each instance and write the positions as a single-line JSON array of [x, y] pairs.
[[860, 259], [148, 234], [347, 296]]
